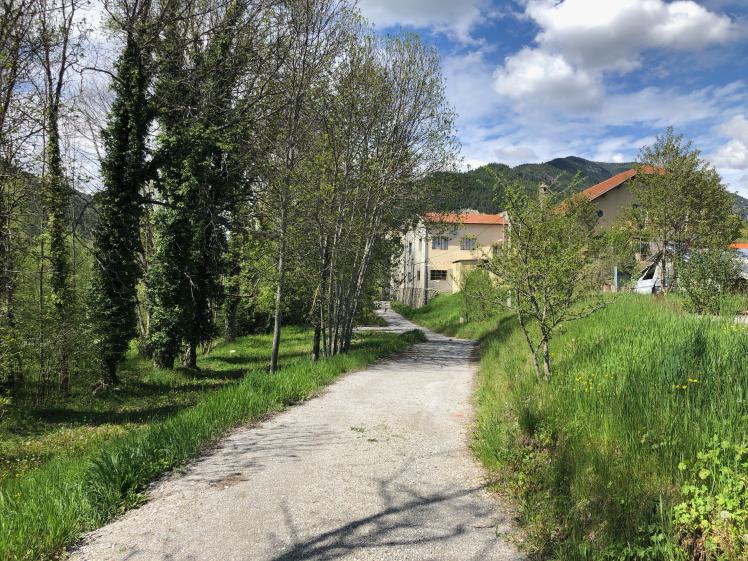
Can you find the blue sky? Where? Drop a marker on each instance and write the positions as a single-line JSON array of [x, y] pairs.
[[532, 80]]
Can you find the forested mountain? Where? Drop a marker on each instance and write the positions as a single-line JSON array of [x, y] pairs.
[[482, 188]]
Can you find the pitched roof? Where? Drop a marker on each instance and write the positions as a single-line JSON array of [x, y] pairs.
[[611, 183], [465, 218], [739, 245]]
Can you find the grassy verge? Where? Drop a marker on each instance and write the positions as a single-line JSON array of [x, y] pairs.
[[49, 507], [637, 447], [444, 314], [33, 431]]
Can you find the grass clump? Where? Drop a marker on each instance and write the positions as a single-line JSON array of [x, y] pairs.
[[445, 314], [49, 507], [615, 457]]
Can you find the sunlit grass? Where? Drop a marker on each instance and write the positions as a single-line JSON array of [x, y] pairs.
[[593, 455], [48, 507], [32, 433]]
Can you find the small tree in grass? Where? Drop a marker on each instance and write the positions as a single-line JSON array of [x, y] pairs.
[[682, 204], [543, 270], [706, 277]]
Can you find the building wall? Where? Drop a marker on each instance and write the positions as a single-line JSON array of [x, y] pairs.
[[412, 278], [613, 204]]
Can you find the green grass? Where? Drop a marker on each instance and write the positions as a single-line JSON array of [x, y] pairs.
[[444, 314], [48, 507], [596, 457], [32, 433]]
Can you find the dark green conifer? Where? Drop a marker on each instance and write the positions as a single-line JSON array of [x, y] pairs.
[[112, 298]]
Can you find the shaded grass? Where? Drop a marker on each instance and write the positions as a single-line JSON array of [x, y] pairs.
[[49, 507], [32, 433], [594, 455]]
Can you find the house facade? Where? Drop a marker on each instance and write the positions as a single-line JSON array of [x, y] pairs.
[[611, 197], [438, 252]]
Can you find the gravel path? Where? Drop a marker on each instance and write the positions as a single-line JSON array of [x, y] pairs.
[[376, 468]]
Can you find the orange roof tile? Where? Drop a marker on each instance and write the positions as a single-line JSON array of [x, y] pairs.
[[465, 218], [739, 245], [611, 183]]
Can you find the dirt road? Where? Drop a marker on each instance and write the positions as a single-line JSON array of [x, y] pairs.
[[376, 468]]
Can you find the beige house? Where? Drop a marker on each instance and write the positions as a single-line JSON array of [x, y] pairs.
[[612, 196], [441, 249]]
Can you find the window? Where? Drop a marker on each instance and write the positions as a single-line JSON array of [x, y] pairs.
[[439, 243], [438, 275], [410, 247], [600, 213], [467, 244], [418, 274]]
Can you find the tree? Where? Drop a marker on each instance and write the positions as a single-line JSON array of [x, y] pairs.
[[543, 270], [385, 126], [706, 276], [683, 205], [124, 168], [59, 47], [209, 63], [315, 34], [17, 47]]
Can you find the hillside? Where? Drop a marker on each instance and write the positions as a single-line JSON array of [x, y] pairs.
[[482, 188]]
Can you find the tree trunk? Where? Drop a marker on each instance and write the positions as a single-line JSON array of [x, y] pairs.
[[163, 359], [190, 355], [316, 342], [533, 350], [546, 360], [279, 294], [109, 373], [231, 309]]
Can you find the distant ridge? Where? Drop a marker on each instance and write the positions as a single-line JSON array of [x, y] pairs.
[[473, 188]]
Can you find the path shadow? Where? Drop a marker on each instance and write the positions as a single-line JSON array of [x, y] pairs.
[[407, 518]]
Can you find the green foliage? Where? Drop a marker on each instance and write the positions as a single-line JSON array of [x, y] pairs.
[[544, 269], [113, 291], [48, 508], [476, 289], [595, 458], [712, 521], [684, 206], [5, 403], [706, 278], [168, 285]]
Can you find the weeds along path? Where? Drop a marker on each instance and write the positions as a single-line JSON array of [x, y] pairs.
[[376, 468]]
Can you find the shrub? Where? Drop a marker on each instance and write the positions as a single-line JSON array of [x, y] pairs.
[[706, 277]]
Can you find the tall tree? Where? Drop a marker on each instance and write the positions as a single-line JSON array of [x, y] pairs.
[[17, 47], [58, 50], [386, 125], [315, 32], [204, 60], [124, 168], [682, 203]]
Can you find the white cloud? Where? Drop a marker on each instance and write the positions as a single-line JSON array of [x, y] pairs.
[[454, 18], [611, 35], [470, 86], [733, 154], [580, 41], [533, 76]]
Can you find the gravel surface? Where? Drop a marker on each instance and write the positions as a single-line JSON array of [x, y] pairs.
[[377, 468]]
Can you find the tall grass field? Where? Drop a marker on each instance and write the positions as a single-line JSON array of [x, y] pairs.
[[636, 449], [46, 508]]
